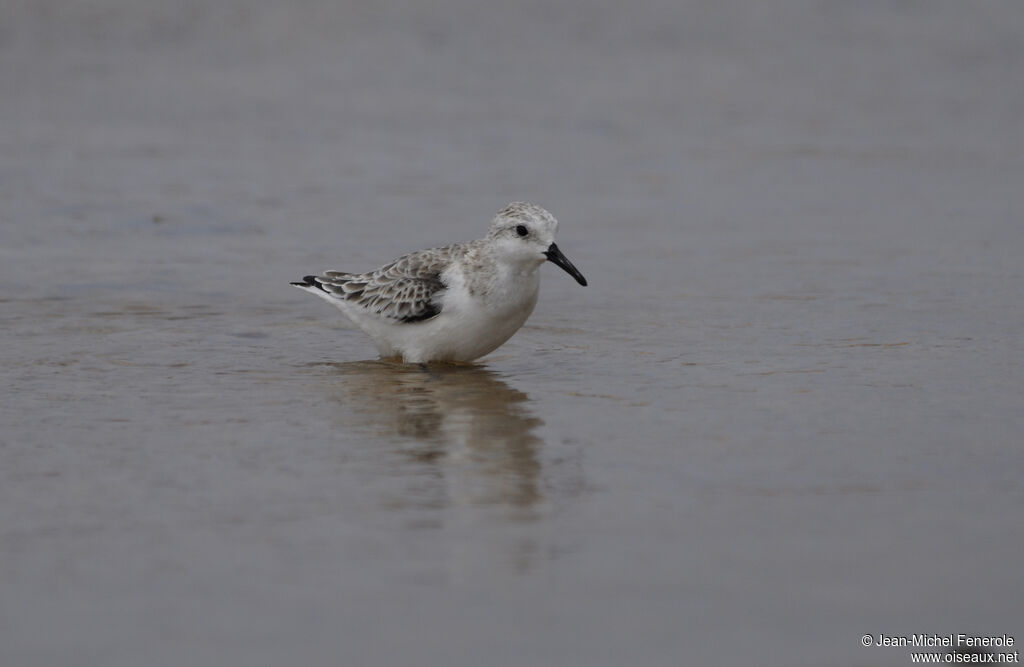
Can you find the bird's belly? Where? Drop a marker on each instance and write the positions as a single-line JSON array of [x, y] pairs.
[[465, 334], [473, 337]]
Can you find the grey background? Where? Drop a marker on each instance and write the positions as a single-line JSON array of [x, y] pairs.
[[786, 412]]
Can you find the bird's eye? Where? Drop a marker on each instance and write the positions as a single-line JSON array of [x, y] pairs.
[[522, 230]]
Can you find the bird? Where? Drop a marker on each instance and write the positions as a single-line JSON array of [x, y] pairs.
[[455, 303]]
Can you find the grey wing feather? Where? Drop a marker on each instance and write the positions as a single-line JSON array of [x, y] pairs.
[[407, 290]]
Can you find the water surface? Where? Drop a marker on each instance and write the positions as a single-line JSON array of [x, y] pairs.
[[785, 413]]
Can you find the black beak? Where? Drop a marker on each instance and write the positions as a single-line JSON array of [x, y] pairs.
[[555, 255]]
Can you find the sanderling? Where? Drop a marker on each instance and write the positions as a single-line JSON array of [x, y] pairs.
[[455, 303]]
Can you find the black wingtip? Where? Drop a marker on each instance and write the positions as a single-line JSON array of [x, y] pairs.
[[309, 281]]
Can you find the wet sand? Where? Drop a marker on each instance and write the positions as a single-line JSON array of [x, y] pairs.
[[785, 413]]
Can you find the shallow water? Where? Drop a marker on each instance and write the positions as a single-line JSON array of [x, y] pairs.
[[786, 412]]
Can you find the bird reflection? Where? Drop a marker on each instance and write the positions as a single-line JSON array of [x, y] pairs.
[[472, 431]]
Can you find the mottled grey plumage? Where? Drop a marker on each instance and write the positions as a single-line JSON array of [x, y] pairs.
[[406, 290], [455, 303]]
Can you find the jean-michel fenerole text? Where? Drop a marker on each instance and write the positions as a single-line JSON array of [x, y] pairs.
[[957, 640]]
